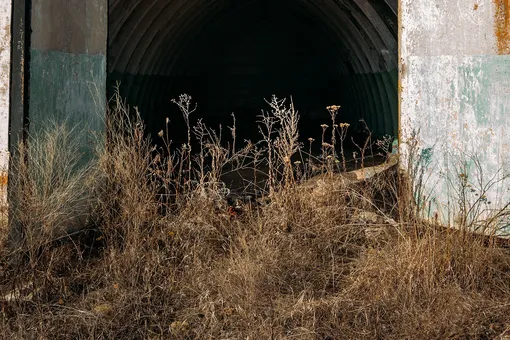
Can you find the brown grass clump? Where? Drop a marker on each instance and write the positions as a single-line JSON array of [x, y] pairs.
[[436, 285], [169, 253]]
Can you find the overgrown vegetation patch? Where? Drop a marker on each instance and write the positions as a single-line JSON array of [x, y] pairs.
[[304, 248]]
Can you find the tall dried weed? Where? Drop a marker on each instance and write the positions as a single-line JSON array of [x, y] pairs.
[[171, 252]]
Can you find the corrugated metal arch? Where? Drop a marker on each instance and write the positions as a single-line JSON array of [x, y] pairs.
[[147, 38], [139, 29]]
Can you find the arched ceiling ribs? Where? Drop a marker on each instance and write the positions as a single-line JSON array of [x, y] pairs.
[[158, 47], [147, 32]]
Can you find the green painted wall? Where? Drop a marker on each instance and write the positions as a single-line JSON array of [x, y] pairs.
[[67, 88], [458, 106], [67, 64]]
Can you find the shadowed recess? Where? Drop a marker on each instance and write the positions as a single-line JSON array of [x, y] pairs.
[[230, 55]]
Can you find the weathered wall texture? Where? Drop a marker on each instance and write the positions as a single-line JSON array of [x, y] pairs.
[[68, 62], [5, 57], [455, 102]]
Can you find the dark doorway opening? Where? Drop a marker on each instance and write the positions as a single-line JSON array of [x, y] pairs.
[[231, 55]]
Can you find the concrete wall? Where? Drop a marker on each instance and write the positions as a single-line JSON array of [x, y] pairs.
[[68, 62], [455, 102], [5, 58]]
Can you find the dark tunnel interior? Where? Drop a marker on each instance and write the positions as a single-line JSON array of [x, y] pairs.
[[230, 55]]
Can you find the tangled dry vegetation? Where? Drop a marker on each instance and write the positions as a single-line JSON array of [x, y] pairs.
[[147, 243]]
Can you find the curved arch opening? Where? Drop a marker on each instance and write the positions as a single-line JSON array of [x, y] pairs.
[[231, 55]]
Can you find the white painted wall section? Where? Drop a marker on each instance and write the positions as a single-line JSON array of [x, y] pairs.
[[5, 59], [455, 104]]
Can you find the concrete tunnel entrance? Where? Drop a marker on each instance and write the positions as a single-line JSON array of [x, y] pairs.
[[230, 55]]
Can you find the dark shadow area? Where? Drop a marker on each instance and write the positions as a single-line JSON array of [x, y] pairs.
[[230, 56], [246, 57]]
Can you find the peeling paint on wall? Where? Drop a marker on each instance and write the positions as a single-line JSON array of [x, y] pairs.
[[455, 103], [5, 58]]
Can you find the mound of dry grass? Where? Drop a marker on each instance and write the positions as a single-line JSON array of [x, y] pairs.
[[169, 256]]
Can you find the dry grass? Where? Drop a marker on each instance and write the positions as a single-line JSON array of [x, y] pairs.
[[168, 257]]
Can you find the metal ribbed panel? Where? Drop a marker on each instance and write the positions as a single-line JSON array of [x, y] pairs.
[[148, 41]]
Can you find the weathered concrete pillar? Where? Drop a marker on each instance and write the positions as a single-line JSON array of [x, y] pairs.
[[68, 62], [455, 103], [5, 71]]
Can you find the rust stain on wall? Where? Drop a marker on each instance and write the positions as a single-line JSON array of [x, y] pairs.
[[502, 25], [3, 179]]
